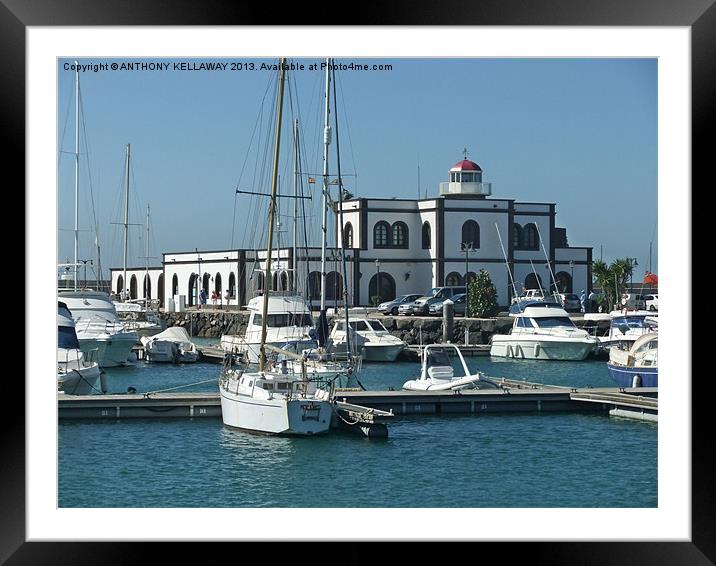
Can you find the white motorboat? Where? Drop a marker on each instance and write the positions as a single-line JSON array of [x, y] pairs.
[[542, 331], [98, 327], [637, 365], [142, 320], [269, 400], [76, 373], [288, 320], [437, 372], [374, 342], [173, 345], [628, 325]]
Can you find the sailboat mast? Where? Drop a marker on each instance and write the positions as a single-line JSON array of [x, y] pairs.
[[324, 208], [77, 165], [146, 262], [295, 204], [126, 216], [340, 222], [272, 207]]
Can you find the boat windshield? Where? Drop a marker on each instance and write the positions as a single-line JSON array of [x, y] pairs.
[[359, 325], [553, 321], [67, 338], [628, 321], [376, 325], [438, 358]]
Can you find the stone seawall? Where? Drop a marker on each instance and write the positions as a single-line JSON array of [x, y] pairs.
[[413, 330]]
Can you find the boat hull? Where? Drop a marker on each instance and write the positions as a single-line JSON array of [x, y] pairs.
[[381, 353], [108, 352], [528, 349], [631, 376], [84, 381], [300, 417]]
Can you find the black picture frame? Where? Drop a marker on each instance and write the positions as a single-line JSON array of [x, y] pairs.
[[699, 15]]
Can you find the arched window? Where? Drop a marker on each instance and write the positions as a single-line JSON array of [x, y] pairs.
[[133, 287], [516, 235], [471, 234], [453, 279], [175, 285], [381, 232], [120, 284], [334, 286], [381, 287], [426, 235], [284, 281], [160, 288], [533, 281], [217, 284], [147, 287], [564, 282], [314, 285], [274, 281], [469, 277], [530, 237], [400, 235], [348, 235]]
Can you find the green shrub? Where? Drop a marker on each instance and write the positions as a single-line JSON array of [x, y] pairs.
[[481, 296]]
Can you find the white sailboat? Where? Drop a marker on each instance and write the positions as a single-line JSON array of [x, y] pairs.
[[271, 400]]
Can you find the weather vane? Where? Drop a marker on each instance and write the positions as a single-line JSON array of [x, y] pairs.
[[465, 152]]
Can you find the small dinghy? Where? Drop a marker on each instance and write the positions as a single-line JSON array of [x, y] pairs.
[[438, 374]]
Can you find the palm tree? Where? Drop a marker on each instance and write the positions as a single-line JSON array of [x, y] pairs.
[[612, 279]]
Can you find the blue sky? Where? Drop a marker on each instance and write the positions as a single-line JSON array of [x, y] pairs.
[[578, 132]]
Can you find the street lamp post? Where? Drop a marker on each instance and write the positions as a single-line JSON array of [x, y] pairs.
[[571, 275], [377, 279], [85, 262], [198, 279], [466, 248]]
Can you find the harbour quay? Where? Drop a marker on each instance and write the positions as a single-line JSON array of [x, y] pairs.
[[512, 397]]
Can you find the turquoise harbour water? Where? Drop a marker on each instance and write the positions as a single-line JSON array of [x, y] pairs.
[[499, 460]]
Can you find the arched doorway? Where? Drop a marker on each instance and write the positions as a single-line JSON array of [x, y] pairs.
[[384, 291], [469, 277], [160, 289], [334, 286], [564, 282], [133, 287], [205, 283], [533, 281], [147, 286], [232, 284], [120, 285], [284, 281], [191, 290], [453, 279], [217, 284], [314, 285], [175, 285]]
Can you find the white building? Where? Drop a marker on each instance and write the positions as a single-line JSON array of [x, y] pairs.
[[402, 245]]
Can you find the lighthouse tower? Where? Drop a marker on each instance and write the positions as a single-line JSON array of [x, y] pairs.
[[466, 179]]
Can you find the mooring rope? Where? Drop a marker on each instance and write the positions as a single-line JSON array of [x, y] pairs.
[[148, 393]]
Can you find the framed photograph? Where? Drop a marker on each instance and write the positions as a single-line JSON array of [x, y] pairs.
[[551, 87]]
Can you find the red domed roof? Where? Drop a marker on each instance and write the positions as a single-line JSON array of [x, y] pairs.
[[466, 165]]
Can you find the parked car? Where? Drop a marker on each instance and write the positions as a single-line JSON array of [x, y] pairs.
[[651, 302], [436, 295], [391, 307], [570, 302], [633, 301], [460, 302], [406, 309]]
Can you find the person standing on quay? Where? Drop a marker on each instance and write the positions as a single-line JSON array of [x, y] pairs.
[[227, 296], [202, 297]]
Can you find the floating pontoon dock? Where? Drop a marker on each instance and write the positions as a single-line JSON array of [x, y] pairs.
[[513, 397]]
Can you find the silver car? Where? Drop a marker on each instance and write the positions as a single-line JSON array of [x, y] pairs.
[[460, 302]]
